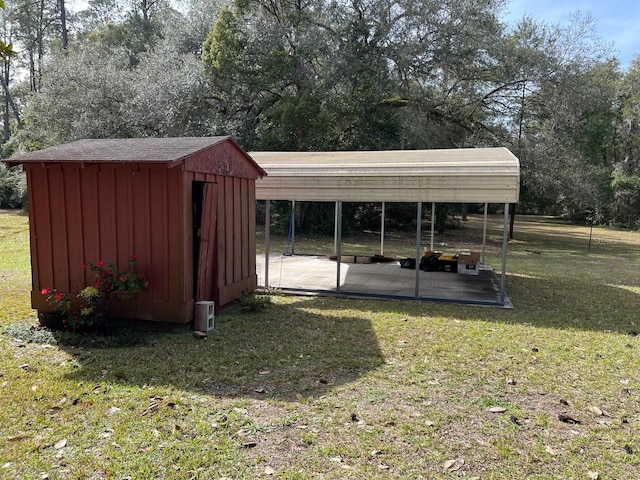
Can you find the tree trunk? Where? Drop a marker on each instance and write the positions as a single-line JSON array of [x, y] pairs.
[[8, 102], [63, 25], [5, 137]]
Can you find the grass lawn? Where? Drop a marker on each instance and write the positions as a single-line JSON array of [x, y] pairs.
[[337, 388]]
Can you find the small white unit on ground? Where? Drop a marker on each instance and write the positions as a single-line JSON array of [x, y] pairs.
[[204, 316]]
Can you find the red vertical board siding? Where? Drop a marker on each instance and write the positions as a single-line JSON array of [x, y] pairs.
[[107, 214], [142, 226], [244, 224], [42, 222], [176, 236], [124, 215], [90, 217], [221, 260], [73, 198], [252, 227], [228, 226], [158, 232], [237, 231], [35, 265], [58, 213]]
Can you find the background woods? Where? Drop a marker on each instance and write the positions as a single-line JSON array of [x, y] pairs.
[[333, 75]]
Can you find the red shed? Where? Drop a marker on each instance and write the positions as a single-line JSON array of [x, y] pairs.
[[184, 206]]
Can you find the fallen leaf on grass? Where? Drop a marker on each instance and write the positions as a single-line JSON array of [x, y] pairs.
[[453, 465], [264, 372], [550, 451], [60, 444], [596, 411], [497, 409], [592, 475], [17, 438]]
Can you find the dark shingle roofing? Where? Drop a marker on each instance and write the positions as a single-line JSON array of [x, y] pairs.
[[120, 150]]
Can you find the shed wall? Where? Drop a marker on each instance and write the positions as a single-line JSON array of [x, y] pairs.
[[91, 212]]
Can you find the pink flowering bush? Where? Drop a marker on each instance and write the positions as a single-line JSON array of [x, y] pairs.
[[110, 279], [90, 307]]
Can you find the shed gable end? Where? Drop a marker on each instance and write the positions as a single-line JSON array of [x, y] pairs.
[[225, 159]]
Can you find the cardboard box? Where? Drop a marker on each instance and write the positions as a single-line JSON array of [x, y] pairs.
[[469, 263], [448, 263]]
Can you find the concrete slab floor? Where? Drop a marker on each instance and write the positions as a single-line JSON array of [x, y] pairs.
[[318, 275]]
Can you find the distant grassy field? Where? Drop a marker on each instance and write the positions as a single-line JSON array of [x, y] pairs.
[[347, 389]]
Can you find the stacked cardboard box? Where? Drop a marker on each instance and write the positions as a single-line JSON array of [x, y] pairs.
[[468, 263]]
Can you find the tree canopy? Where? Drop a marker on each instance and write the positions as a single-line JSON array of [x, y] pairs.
[[304, 75]]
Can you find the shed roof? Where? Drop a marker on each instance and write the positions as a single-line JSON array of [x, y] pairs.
[[126, 150], [473, 175]]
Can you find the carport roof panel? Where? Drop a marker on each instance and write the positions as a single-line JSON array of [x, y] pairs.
[[454, 175]]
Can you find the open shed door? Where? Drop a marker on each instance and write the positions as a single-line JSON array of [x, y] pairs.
[[206, 274]]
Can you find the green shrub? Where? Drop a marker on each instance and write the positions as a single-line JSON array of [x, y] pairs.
[[13, 187]]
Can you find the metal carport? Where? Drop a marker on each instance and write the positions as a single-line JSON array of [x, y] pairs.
[[466, 175]]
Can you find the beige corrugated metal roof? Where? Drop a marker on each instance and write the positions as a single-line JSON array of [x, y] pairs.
[[465, 175]]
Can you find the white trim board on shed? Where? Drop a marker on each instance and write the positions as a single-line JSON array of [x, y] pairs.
[[464, 175]]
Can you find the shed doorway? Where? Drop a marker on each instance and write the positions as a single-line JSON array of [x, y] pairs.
[[205, 226]]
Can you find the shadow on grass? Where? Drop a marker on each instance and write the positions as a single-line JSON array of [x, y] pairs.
[[282, 352]]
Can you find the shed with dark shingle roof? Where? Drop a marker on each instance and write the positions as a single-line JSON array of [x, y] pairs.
[[184, 206]]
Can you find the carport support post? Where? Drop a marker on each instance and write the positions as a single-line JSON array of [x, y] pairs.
[[338, 242], [267, 240], [505, 245], [335, 230], [418, 237], [433, 223], [382, 231], [484, 234], [293, 227]]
